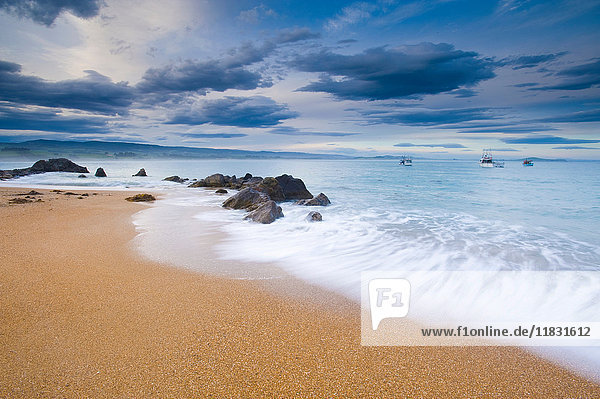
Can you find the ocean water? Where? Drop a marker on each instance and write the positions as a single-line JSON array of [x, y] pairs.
[[435, 215]]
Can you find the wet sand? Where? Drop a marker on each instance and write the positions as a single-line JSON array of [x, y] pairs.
[[83, 315]]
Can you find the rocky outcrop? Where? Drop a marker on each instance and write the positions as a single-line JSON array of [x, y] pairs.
[[248, 199], [100, 173], [314, 217], [271, 187], [293, 188], [216, 180], [43, 166], [141, 173], [141, 198], [175, 179], [251, 182], [198, 183], [319, 200], [266, 213]]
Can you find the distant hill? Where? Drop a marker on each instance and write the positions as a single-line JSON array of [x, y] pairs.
[[44, 149]]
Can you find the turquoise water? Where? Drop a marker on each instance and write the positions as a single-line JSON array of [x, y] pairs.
[[542, 217]]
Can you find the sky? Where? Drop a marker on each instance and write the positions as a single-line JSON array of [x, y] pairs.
[[430, 78]]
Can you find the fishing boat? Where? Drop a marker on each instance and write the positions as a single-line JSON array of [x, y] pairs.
[[486, 159], [406, 161], [527, 162]]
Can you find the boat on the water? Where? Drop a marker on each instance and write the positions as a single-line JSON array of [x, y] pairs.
[[406, 161], [498, 164], [527, 162], [486, 160]]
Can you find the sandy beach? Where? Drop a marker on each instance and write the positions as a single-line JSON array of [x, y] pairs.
[[83, 315]]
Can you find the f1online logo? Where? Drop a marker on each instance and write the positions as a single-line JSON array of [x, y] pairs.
[[388, 297]]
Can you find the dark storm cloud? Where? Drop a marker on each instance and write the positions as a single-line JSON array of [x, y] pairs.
[[229, 72], [296, 35], [46, 11], [582, 116], [529, 61], [49, 121], [383, 73], [212, 135], [292, 131], [579, 77], [427, 117], [448, 145], [575, 147], [508, 129], [95, 92], [256, 111], [547, 140]]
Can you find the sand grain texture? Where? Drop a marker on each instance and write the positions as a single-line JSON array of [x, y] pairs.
[[82, 315]]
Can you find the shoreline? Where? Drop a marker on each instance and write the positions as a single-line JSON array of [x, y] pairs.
[[83, 314]]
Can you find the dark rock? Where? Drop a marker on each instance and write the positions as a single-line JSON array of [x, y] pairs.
[[247, 176], [314, 217], [175, 179], [82, 176], [271, 186], [216, 180], [100, 173], [319, 200], [141, 173], [43, 166], [141, 198], [248, 199], [32, 192], [69, 193], [252, 182], [293, 188], [221, 191], [19, 201], [198, 183], [266, 213], [57, 165]]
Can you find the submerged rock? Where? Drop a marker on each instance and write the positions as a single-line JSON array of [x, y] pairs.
[[266, 213], [141, 198], [221, 191], [100, 173], [141, 173], [248, 199], [82, 176], [314, 217], [175, 179], [319, 200], [293, 188]]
